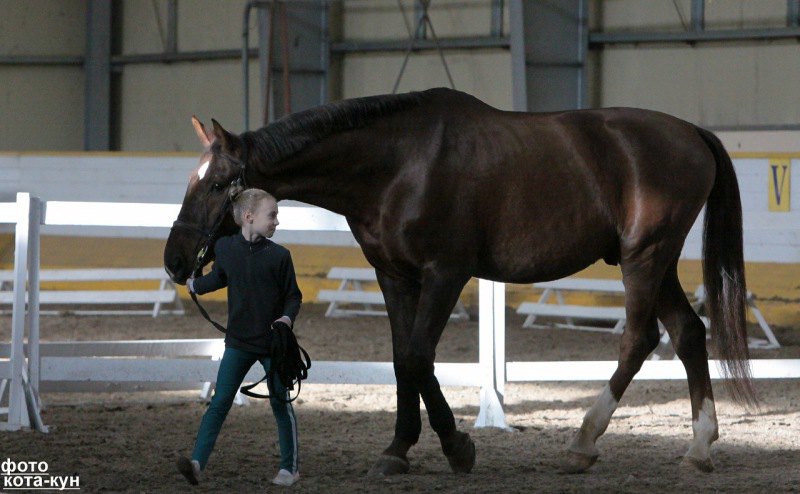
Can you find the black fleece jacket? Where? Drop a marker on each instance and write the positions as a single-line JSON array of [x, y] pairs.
[[261, 288]]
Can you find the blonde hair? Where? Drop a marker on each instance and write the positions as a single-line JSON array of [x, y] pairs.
[[245, 200]]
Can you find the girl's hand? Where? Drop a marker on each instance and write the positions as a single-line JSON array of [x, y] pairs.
[[283, 320]]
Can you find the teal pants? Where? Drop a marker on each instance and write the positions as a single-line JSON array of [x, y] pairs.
[[232, 369]]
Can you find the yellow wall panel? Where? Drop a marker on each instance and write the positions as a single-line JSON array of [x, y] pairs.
[[775, 285], [779, 184]]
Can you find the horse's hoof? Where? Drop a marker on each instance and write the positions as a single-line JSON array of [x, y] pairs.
[[705, 465], [389, 465], [577, 462], [462, 455]]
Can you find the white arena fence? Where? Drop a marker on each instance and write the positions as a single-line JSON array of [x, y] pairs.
[[24, 368]]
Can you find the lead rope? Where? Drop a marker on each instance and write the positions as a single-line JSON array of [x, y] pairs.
[[288, 360]]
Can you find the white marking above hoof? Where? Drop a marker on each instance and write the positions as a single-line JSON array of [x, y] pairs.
[[705, 432]]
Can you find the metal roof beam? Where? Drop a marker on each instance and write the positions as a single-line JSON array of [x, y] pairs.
[[598, 39]]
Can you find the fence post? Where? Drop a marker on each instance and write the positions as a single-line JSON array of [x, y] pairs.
[[34, 261], [17, 411], [491, 351]]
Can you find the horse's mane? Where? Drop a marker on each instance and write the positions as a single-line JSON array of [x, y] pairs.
[[291, 134]]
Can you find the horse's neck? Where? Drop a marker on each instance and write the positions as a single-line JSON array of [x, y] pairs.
[[326, 176]]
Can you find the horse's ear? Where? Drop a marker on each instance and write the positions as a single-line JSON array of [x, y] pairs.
[[228, 141], [200, 130]]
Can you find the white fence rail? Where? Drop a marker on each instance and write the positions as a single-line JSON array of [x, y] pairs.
[[84, 367]]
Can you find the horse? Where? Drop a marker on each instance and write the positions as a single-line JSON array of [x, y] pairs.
[[438, 187]]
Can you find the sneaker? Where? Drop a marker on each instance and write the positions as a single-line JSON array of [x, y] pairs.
[[189, 469], [286, 478]]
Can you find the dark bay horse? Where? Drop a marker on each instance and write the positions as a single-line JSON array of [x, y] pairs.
[[438, 187]]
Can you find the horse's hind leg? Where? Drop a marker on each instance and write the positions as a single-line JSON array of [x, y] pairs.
[[688, 335], [642, 275]]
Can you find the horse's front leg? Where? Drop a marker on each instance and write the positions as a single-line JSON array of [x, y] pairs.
[[418, 314], [440, 291], [402, 297]]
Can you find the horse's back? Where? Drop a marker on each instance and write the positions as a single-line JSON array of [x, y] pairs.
[[524, 197], [653, 167], [569, 188], [619, 146]]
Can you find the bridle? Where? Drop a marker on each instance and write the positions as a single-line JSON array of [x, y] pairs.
[[207, 236]]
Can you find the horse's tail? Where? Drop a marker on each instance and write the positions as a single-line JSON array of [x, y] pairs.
[[723, 273]]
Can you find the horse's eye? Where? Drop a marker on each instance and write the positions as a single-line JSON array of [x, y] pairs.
[[217, 187]]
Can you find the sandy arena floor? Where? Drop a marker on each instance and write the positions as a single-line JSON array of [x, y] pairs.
[[127, 442]]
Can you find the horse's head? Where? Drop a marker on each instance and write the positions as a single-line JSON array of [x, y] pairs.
[[205, 213]]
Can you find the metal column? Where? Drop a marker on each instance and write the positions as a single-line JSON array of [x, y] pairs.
[[698, 15], [497, 18], [308, 51], [792, 13], [97, 73], [172, 27], [549, 44]]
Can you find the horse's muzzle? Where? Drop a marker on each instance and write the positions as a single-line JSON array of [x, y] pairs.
[[176, 269]]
